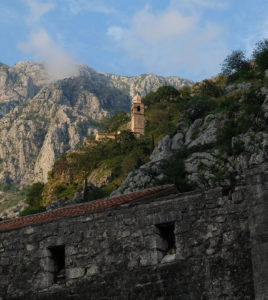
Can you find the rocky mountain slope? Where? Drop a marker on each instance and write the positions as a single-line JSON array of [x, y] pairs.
[[221, 132], [39, 119], [215, 150]]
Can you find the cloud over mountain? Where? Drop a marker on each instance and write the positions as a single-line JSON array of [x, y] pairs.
[[58, 63]]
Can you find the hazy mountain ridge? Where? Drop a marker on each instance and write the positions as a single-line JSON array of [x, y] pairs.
[[40, 120]]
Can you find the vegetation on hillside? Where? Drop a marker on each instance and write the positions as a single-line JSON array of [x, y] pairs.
[[10, 197], [33, 199], [116, 123], [163, 110], [118, 156]]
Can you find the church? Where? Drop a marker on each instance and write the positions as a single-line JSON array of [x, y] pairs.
[[136, 125]]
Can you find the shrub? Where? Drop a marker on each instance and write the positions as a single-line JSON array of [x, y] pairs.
[[174, 169], [33, 199], [114, 123], [5, 187], [34, 195], [185, 92], [126, 140], [161, 119], [163, 94], [238, 147], [31, 211], [234, 62], [207, 88], [197, 107], [260, 54]]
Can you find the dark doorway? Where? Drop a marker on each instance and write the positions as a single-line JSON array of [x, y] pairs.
[[167, 234], [58, 258]]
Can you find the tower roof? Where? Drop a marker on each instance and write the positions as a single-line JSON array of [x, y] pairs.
[[136, 99]]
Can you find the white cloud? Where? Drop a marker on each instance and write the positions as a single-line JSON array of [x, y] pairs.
[[173, 42], [38, 9], [115, 32], [7, 15], [58, 63], [196, 4], [78, 6], [155, 28]]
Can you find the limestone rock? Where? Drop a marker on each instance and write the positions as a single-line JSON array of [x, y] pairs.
[[40, 119], [242, 87], [203, 132], [177, 141], [163, 149]]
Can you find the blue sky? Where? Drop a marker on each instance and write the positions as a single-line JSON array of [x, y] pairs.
[[187, 38]]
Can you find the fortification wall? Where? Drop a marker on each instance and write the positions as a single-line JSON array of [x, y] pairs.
[[116, 253], [257, 199]]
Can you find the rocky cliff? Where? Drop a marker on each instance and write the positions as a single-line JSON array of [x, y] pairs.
[[216, 149], [39, 119]]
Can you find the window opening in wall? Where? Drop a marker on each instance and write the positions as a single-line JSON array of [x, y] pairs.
[[138, 108], [58, 263], [166, 242]]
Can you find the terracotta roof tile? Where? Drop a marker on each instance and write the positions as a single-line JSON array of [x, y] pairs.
[[81, 209]]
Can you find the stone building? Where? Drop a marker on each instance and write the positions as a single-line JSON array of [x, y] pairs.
[[137, 116], [137, 123], [151, 244], [102, 136]]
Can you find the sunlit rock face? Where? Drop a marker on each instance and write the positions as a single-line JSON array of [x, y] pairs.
[[40, 119]]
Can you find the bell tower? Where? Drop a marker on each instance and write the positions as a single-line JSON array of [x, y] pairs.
[[137, 116]]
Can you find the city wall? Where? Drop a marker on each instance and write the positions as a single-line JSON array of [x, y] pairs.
[[197, 245]]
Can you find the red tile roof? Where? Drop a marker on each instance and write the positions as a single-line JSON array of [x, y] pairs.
[[81, 209]]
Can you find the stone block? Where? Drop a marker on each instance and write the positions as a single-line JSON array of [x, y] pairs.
[[71, 250], [29, 230], [5, 261], [92, 270], [125, 233], [74, 273], [43, 280], [29, 247], [145, 259], [47, 264]]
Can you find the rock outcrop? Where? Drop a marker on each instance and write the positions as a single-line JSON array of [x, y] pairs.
[[39, 119], [206, 164]]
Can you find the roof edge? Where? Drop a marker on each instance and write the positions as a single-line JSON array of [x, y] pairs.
[[84, 208]]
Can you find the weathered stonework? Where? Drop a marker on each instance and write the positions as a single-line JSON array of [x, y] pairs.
[[117, 253], [137, 116]]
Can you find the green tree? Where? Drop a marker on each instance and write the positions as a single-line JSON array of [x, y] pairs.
[[174, 169], [126, 140], [163, 94], [34, 195], [197, 107], [234, 62], [114, 123], [207, 88], [260, 54], [34, 199]]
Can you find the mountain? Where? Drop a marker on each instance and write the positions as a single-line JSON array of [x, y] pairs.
[[220, 132], [39, 119]]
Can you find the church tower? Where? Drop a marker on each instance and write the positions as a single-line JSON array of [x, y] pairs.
[[137, 116]]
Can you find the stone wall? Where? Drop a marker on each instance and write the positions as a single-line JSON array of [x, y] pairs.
[[117, 253], [257, 197]]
